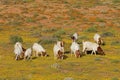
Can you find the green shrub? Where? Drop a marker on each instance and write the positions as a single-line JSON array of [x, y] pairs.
[[30, 20], [1, 29], [116, 70], [99, 20], [97, 59], [49, 29], [15, 38], [14, 23], [115, 43], [26, 1], [81, 38], [116, 1], [36, 34], [114, 78], [68, 78], [115, 61], [59, 33], [107, 34], [47, 40], [91, 29]]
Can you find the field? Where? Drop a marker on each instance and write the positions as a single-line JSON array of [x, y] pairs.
[[46, 21]]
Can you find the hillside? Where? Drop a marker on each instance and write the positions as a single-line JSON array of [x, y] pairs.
[[45, 22]]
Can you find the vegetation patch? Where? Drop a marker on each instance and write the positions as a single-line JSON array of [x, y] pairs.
[[15, 38], [115, 43], [100, 20], [115, 78], [59, 33], [115, 61], [107, 34], [116, 1], [91, 29], [56, 66], [47, 40], [49, 29], [36, 34], [68, 78], [1, 29], [81, 38], [98, 59]]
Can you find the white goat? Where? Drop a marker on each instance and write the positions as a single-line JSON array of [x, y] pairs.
[[38, 49], [28, 53], [90, 46], [18, 50], [75, 48], [98, 39], [60, 44], [74, 37], [58, 53]]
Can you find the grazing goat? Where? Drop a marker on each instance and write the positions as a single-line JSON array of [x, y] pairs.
[[60, 44], [58, 52], [18, 50], [94, 47], [38, 49], [75, 48], [98, 39], [28, 53], [74, 37]]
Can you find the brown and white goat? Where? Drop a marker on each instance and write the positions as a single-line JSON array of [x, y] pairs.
[[38, 49], [94, 47], [60, 44], [28, 53], [75, 48], [74, 37], [18, 50], [58, 52], [98, 39]]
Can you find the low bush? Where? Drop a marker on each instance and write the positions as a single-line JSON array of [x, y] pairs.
[[116, 1], [59, 33], [1, 29], [68, 78], [114, 78], [47, 40], [81, 38], [107, 34], [91, 29], [115, 61], [115, 43], [15, 38]]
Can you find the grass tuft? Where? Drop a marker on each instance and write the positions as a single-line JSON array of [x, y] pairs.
[[68, 78], [115, 61], [14, 38], [55, 66], [47, 40], [114, 78], [97, 59], [91, 29], [59, 33], [115, 43], [107, 34]]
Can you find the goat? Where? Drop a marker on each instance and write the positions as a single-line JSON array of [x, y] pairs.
[[28, 53], [58, 53], [38, 49], [90, 46], [74, 37], [75, 48], [18, 50], [60, 44], [98, 39]]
